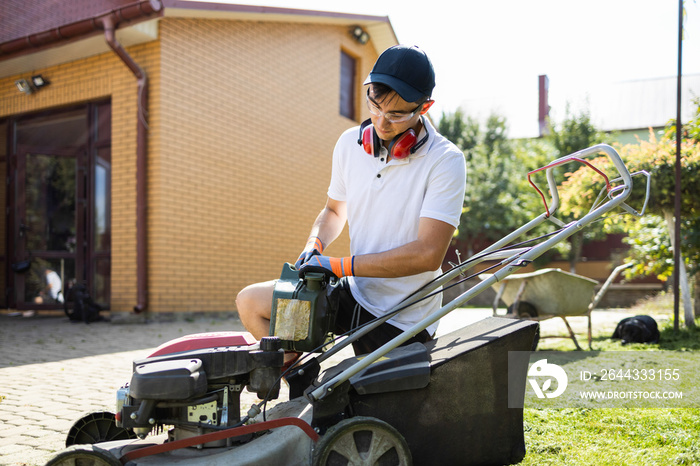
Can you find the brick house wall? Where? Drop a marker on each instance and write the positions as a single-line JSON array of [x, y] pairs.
[[248, 117], [243, 117]]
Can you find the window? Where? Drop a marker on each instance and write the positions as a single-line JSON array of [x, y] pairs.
[[348, 66]]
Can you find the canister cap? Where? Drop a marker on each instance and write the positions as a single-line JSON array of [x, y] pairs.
[[272, 343]]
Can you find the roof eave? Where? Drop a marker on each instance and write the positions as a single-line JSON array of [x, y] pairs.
[[378, 27], [139, 11]]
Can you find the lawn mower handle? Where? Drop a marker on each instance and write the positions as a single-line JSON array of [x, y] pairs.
[[579, 157], [518, 260]]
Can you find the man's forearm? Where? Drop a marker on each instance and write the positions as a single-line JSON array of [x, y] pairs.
[[329, 223], [425, 254], [409, 259]]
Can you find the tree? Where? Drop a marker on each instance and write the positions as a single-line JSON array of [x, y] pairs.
[[463, 132], [651, 255], [575, 133], [492, 202]]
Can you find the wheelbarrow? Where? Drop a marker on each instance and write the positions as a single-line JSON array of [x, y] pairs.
[[548, 293], [442, 402]]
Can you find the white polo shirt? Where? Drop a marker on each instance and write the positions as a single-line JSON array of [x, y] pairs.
[[385, 202]]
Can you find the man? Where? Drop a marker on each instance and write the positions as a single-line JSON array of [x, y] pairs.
[[400, 187], [53, 289]]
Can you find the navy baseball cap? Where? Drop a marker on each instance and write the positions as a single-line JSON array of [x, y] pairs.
[[405, 69]]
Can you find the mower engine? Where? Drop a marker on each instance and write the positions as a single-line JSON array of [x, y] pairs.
[[194, 383]]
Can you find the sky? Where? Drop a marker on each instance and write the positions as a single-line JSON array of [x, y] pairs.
[[488, 54]]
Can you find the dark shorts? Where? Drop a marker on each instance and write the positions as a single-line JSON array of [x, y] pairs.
[[350, 315]]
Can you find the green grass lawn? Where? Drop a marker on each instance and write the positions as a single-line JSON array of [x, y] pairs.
[[618, 436], [651, 436]]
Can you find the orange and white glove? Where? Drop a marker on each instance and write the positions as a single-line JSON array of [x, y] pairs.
[[338, 266], [313, 245]]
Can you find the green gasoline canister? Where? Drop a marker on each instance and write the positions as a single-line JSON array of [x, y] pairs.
[[300, 316]]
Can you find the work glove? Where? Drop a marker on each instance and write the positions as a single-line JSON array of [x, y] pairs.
[[337, 266], [313, 245]]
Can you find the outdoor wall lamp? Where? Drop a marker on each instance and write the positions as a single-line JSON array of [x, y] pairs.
[[39, 81], [24, 86], [34, 83], [360, 35]]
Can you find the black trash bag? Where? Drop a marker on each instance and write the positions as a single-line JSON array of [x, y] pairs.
[[83, 308]]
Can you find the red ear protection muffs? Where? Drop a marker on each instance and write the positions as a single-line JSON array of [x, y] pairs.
[[400, 147]]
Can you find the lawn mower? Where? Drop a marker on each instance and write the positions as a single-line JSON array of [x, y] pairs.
[[443, 402]]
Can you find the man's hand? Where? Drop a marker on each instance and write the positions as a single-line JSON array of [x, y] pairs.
[[313, 246], [337, 266]]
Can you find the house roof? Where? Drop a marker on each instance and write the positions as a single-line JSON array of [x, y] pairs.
[[22, 18], [643, 103], [39, 33]]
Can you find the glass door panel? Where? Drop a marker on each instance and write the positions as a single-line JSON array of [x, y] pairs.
[[49, 227], [50, 203], [101, 228]]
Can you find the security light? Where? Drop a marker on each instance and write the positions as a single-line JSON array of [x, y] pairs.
[[38, 81], [24, 86], [360, 35]]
